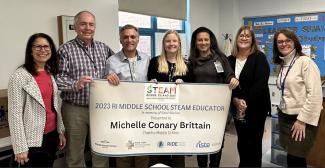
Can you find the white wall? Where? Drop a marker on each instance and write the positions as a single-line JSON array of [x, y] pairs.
[[205, 13], [229, 19], [20, 18]]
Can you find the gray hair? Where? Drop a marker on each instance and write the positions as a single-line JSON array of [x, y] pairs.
[[76, 17]]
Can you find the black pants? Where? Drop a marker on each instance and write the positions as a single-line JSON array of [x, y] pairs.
[[202, 160], [169, 160], [294, 161], [41, 156], [249, 143]]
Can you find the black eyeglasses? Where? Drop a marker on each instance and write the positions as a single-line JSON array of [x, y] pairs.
[[39, 47]]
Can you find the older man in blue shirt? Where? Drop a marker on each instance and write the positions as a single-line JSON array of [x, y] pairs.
[[128, 65]]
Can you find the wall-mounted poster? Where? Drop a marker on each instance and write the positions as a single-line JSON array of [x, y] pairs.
[[66, 28], [310, 29]]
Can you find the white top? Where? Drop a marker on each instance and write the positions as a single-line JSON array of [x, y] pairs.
[[286, 63], [239, 66]]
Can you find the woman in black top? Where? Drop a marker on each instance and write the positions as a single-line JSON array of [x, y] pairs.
[[252, 98], [169, 66], [209, 65]]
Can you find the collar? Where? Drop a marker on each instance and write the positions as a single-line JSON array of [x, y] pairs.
[[122, 56], [83, 44], [287, 59]]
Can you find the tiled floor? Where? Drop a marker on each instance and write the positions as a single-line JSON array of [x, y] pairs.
[[229, 153]]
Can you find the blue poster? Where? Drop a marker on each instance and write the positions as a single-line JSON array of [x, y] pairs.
[[310, 28]]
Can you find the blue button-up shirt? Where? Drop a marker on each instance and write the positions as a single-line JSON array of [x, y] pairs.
[[126, 70]]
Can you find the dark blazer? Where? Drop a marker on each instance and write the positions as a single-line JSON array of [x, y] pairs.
[[253, 84]]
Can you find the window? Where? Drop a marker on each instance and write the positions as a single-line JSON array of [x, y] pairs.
[[165, 23], [151, 30], [137, 20]]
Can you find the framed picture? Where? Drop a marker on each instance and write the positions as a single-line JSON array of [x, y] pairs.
[[66, 28]]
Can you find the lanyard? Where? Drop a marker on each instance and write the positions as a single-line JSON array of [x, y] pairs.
[[88, 51], [285, 77], [171, 73], [132, 67]]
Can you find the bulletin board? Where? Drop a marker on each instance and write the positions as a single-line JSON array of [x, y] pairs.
[[309, 27]]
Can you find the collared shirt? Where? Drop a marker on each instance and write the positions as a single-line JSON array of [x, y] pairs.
[[129, 70], [76, 60]]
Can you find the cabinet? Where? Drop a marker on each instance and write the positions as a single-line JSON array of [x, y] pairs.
[[278, 155], [317, 153]]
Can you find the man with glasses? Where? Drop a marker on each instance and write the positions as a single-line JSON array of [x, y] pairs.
[[128, 65], [81, 60]]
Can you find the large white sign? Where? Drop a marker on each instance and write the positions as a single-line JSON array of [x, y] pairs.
[[148, 118]]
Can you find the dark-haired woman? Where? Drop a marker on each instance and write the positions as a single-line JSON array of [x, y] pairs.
[[209, 65], [301, 97], [35, 122]]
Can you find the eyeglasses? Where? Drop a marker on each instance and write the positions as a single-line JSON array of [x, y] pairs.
[[283, 42], [39, 47], [245, 36]]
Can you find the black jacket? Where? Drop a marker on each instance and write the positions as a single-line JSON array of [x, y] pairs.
[[253, 84]]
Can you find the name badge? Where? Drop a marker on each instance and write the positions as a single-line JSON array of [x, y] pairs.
[[218, 66], [282, 104]]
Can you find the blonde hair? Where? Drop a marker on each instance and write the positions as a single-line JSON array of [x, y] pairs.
[[181, 67], [254, 47]]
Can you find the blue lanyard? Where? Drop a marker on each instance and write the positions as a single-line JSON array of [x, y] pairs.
[[285, 77]]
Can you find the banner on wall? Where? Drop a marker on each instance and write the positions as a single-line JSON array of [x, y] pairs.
[[148, 119]]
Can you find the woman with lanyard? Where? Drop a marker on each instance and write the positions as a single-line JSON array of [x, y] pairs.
[[209, 65], [169, 66], [301, 97]]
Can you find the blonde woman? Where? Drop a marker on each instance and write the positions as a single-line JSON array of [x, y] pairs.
[[169, 66]]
